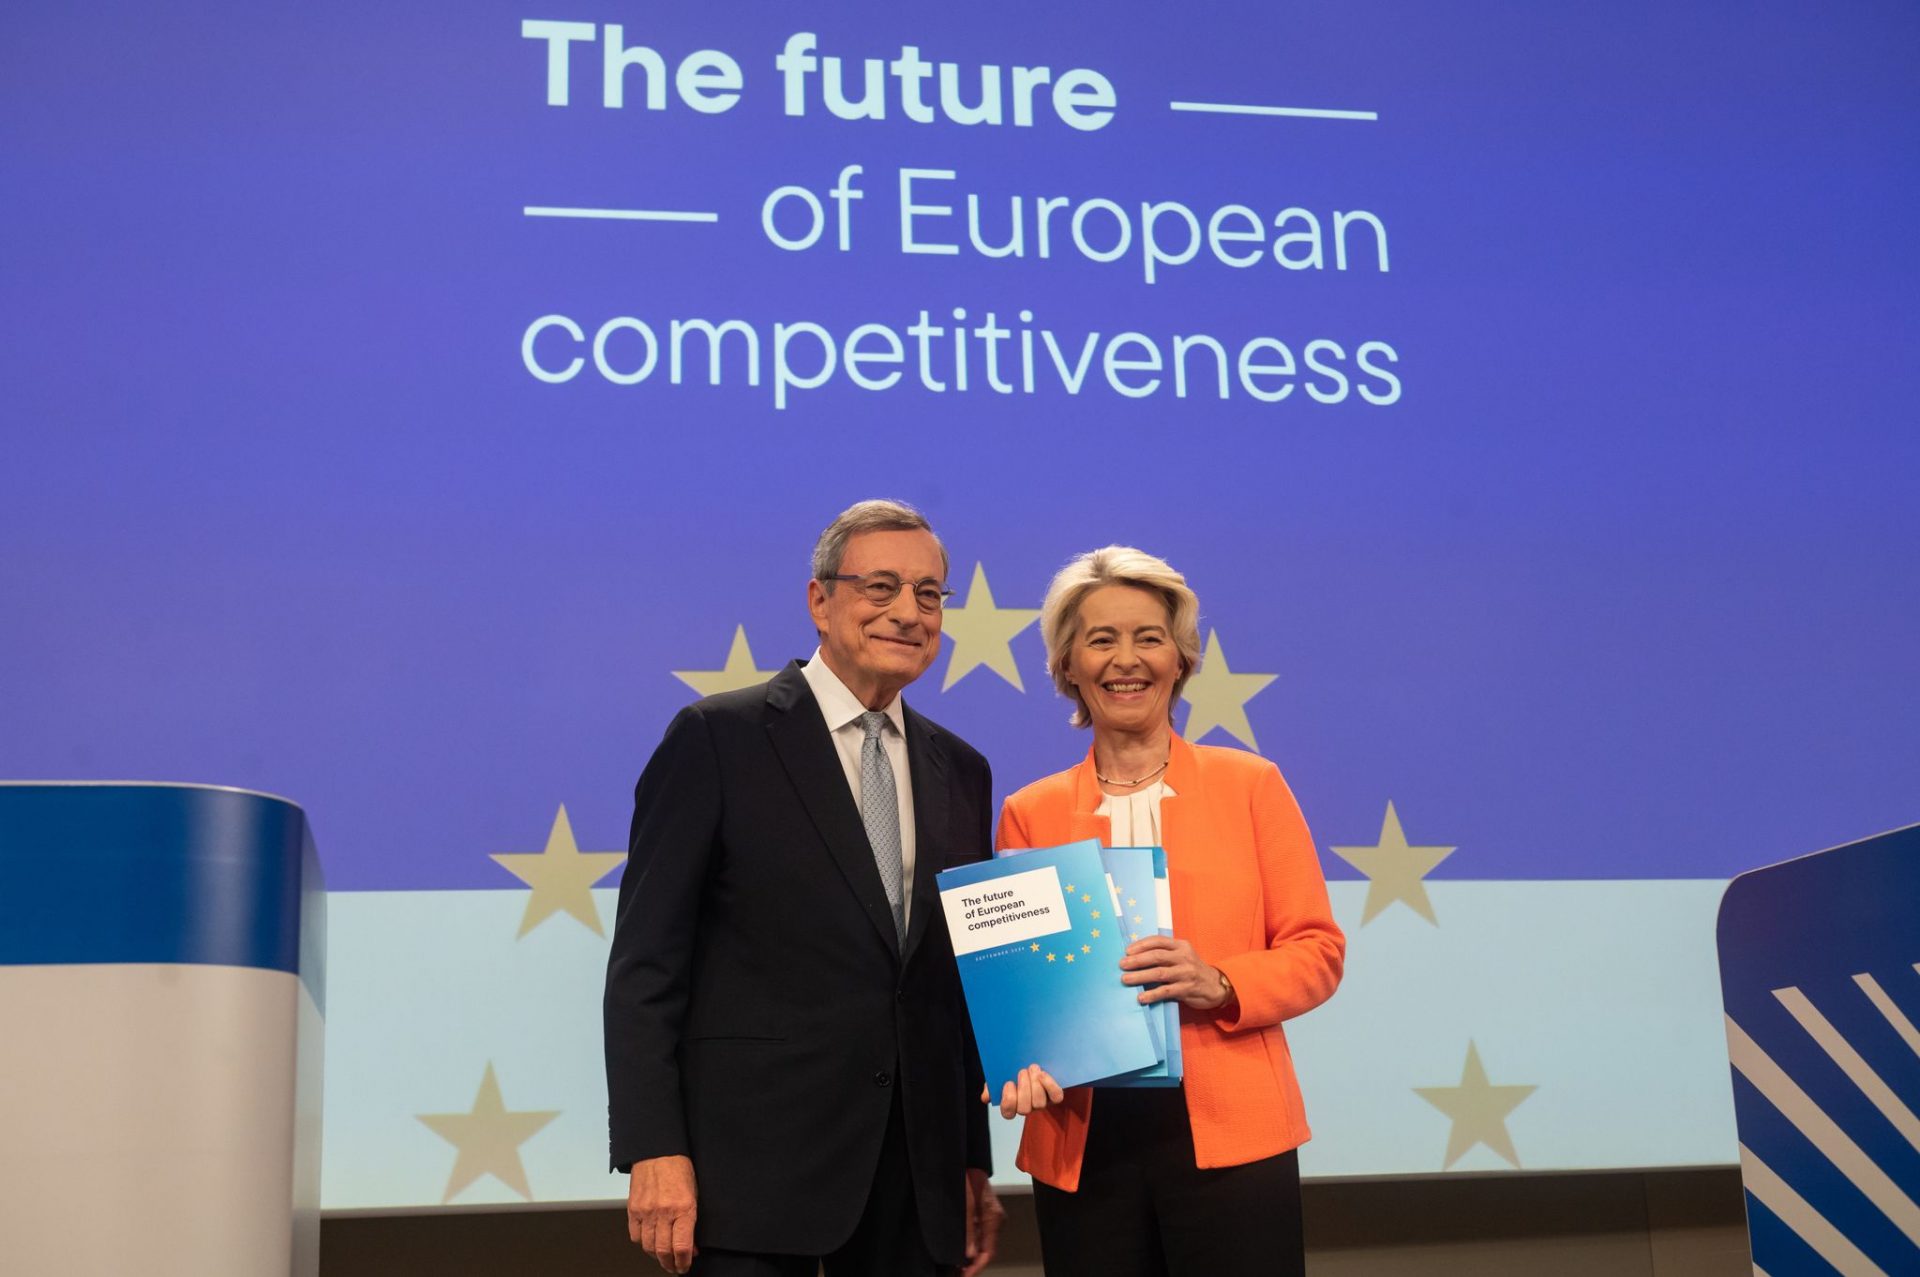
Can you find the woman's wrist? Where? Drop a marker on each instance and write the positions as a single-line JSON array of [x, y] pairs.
[[1224, 994]]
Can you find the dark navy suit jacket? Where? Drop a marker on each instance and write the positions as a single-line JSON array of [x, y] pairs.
[[760, 1016]]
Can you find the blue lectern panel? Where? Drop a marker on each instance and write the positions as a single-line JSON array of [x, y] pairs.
[[1820, 971]]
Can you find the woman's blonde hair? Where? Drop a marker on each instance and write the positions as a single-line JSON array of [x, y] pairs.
[[1117, 565]]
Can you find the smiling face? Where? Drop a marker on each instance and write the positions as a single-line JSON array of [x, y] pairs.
[[1123, 661], [876, 650]]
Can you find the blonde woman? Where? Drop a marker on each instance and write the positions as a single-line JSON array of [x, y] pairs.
[[1201, 1179]]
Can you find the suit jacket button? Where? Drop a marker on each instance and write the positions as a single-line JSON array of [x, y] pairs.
[[883, 1078]]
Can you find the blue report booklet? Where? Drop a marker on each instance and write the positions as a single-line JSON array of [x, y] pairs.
[[1039, 952], [1137, 878]]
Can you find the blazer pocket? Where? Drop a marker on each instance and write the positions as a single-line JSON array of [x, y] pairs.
[[1286, 1082]]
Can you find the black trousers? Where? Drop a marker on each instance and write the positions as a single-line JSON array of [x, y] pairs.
[[1145, 1210], [887, 1241]]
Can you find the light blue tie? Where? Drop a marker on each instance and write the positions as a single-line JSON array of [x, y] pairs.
[[880, 812]]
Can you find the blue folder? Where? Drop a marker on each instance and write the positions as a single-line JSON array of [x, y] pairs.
[[1039, 953], [1139, 879]]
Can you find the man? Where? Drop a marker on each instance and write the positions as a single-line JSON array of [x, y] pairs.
[[791, 1074]]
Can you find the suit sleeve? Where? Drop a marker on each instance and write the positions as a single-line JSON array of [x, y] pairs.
[[676, 822], [979, 1138], [1306, 952]]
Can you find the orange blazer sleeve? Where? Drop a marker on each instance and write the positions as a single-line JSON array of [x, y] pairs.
[[1306, 951]]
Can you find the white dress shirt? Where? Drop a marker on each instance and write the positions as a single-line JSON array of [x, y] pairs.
[[842, 710]]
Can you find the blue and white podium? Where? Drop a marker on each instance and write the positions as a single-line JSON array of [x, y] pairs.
[[1820, 976], [161, 1032]]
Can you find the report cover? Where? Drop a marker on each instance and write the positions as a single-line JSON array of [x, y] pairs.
[[1039, 952], [1144, 905]]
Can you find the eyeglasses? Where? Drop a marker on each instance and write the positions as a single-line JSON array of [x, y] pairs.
[[882, 588]]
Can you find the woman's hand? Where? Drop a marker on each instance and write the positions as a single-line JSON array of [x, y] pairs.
[[1177, 970], [1031, 1090]]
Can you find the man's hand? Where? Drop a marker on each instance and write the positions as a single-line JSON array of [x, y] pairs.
[[1177, 969], [985, 1214], [661, 1208]]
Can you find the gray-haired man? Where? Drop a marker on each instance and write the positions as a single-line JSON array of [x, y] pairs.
[[791, 1076]]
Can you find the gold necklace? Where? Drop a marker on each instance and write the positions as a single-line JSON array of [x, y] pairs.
[[1130, 784]]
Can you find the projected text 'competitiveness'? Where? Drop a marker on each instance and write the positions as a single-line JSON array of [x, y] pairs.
[[959, 358]]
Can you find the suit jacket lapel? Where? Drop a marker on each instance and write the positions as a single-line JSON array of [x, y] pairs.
[[800, 738], [1183, 813], [927, 772]]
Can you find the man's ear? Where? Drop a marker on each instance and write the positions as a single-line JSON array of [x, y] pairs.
[[817, 604]]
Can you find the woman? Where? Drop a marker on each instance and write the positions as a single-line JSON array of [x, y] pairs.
[[1202, 1178]]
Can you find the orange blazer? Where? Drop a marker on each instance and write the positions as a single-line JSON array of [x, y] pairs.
[[1249, 896]]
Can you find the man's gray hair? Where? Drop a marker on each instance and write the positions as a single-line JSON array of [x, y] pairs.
[[868, 516]]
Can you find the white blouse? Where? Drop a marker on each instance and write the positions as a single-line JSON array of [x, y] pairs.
[[1134, 819]]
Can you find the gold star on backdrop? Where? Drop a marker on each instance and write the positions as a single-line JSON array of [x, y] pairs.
[[1394, 870], [489, 1137], [1479, 1110], [562, 876], [982, 634], [738, 672], [1219, 696]]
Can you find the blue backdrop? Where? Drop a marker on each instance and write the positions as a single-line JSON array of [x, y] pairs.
[[1533, 413], [1620, 584]]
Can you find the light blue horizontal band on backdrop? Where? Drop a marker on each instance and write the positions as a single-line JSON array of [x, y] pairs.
[[126, 873]]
